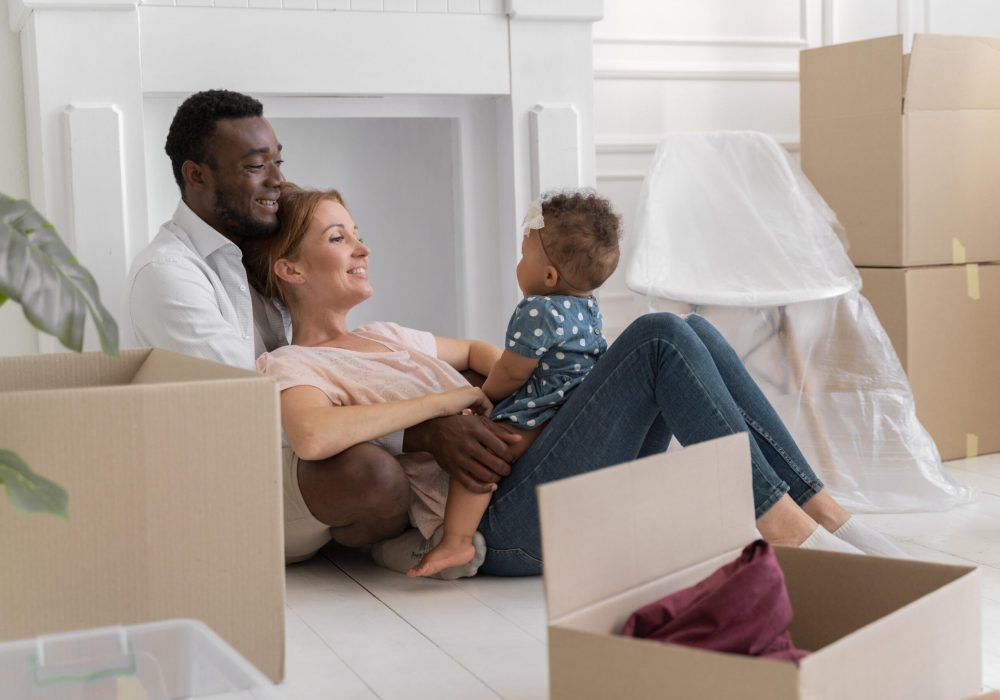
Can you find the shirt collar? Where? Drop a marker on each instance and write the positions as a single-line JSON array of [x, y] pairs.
[[205, 239]]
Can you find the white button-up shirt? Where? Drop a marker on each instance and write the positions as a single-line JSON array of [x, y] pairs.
[[188, 292]]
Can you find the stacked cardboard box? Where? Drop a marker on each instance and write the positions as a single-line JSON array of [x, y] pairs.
[[905, 148]]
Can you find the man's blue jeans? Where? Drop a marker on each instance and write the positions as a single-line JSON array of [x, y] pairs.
[[663, 376]]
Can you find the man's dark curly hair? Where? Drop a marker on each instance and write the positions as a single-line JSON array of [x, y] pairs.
[[195, 121], [581, 236]]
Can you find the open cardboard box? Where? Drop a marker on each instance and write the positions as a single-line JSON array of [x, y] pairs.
[[619, 538], [904, 147], [172, 465]]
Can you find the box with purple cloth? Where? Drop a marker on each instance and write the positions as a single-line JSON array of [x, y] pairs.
[[660, 546]]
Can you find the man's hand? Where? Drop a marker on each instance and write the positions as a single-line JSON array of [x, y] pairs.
[[470, 448]]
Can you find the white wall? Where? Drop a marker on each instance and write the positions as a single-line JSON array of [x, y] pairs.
[[660, 66], [663, 66], [17, 337]]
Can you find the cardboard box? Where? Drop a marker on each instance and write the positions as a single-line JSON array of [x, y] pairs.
[[172, 465], [619, 538], [944, 323], [904, 148]]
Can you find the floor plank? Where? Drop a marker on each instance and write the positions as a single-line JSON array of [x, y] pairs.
[[508, 660], [310, 665], [520, 600], [384, 650]]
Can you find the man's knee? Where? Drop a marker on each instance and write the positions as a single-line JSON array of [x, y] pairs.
[[361, 482], [373, 477], [375, 496]]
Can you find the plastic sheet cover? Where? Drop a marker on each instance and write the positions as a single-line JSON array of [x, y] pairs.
[[729, 227]]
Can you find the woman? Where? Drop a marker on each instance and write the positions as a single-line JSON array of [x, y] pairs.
[[663, 376]]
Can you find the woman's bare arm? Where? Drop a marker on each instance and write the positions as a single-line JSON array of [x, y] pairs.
[[317, 429], [468, 354]]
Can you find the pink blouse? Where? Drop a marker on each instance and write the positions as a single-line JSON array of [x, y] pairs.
[[407, 369]]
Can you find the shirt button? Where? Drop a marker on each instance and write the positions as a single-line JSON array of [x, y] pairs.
[[243, 287]]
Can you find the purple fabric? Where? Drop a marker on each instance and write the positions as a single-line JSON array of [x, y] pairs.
[[742, 608]]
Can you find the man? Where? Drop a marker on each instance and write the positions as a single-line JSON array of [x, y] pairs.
[[188, 292]]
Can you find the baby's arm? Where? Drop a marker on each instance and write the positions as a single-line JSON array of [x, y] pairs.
[[509, 373]]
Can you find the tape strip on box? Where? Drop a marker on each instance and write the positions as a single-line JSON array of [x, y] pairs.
[[957, 252], [972, 281], [971, 445]]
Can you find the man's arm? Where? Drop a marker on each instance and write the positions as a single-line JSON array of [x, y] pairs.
[[469, 448], [174, 306]]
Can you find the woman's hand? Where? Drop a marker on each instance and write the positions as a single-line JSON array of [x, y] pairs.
[[458, 400]]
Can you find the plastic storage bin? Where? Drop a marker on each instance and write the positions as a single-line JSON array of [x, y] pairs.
[[167, 660]]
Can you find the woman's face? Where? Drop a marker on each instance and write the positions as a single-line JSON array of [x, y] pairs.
[[333, 259]]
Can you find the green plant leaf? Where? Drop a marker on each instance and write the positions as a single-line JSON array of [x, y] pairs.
[[54, 290], [27, 491]]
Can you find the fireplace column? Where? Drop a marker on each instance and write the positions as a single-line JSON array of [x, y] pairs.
[[83, 109]]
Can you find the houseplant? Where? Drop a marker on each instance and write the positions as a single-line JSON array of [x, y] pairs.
[[57, 294]]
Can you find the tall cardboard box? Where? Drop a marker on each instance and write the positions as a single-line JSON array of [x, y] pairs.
[[619, 538], [172, 465], [904, 148], [944, 323]]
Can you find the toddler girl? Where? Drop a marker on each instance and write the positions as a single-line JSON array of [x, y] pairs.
[[554, 338]]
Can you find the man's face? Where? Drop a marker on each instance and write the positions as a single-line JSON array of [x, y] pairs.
[[244, 165]]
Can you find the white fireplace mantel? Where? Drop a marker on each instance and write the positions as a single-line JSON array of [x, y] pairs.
[[90, 65]]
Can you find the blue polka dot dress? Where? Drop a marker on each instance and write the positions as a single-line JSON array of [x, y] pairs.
[[565, 333]]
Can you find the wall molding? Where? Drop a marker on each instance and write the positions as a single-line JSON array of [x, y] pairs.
[[647, 143], [828, 27], [913, 17], [681, 40], [620, 175], [644, 70], [801, 41]]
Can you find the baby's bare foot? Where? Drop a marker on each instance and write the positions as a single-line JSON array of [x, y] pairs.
[[442, 557]]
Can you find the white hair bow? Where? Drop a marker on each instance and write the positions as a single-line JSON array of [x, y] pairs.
[[533, 219]]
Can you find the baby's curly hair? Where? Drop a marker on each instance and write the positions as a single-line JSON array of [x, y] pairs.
[[581, 236], [194, 124]]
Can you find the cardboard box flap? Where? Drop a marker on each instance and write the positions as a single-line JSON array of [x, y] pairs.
[[862, 77], [65, 370], [953, 72], [613, 529], [164, 366]]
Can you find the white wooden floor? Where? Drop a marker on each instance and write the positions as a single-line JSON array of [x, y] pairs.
[[357, 631]]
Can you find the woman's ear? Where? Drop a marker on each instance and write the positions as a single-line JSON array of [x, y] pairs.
[[551, 276], [288, 271]]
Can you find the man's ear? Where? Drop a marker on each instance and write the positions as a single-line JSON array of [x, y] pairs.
[[551, 276], [195, 175], [288, 271]]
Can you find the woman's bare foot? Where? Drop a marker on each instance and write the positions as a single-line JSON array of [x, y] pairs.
[[451, 551]]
